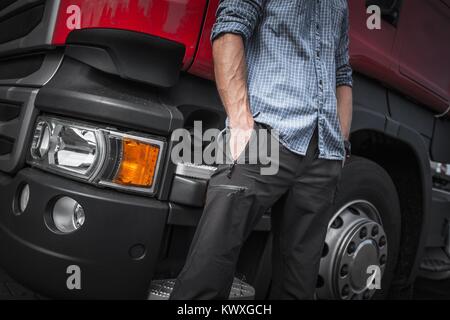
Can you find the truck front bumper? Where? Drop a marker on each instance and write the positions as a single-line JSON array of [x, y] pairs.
[[116, 249]]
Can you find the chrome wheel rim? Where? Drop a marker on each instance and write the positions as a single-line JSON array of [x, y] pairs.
[[355, 242]]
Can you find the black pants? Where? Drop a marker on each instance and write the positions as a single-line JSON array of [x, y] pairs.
[[234, 204]]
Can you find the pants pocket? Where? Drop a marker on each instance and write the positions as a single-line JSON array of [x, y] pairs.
[[232, 209]]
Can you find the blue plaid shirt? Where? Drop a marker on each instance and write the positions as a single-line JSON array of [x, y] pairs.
[[297, 54]]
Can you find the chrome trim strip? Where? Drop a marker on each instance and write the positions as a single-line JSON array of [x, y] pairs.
[[195, 171]]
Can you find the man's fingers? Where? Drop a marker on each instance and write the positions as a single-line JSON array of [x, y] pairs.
[[238, 141]]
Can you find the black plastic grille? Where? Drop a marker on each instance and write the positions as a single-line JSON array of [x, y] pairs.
[[8, 113], [19, 25], [6, 146], [20, 67], [6, 3]]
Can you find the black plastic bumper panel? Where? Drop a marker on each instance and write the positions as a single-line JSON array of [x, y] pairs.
[[116, 248]]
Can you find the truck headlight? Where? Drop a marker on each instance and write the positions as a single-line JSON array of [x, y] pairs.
[[67, 147], [96, 155]]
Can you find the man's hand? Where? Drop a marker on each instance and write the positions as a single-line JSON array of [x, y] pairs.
[[239, 136]]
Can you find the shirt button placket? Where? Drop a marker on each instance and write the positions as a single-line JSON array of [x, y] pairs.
[[320, 77]]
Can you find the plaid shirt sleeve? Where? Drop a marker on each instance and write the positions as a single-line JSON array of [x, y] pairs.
[[343, 68], [238, 17]]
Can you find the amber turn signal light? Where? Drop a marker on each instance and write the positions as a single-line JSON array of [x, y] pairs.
[[138, 163]]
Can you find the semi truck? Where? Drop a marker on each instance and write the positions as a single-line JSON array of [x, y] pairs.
[[90, 93]]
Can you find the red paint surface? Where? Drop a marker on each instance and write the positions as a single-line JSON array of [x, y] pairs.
[[202, 65], [177, 20], [424, 44], [395, 56], [418, 65]]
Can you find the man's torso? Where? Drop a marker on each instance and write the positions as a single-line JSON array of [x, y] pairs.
[[292, 72]]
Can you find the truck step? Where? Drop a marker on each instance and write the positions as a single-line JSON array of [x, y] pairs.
[[435, 264], [161, 290]]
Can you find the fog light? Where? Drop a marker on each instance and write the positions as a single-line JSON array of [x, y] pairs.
[[24, 198], [68, 215]]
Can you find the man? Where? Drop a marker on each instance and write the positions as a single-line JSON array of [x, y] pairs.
[[280, 64]]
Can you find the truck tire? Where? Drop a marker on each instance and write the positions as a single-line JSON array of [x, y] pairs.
[[363, 235]]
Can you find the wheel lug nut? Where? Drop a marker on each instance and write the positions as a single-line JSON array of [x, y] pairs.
[[337, 223], [366, 295], [382, 241], [320, 282], [351, 248], [363, 233], [375, 231], [345, 291], [344, 270], [325, 250], [383, 260]]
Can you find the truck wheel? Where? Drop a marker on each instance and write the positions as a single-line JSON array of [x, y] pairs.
[[363, 235]]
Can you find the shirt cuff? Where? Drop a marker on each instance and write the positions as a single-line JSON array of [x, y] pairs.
[[347, 82], [344, 76], [234, 27]]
